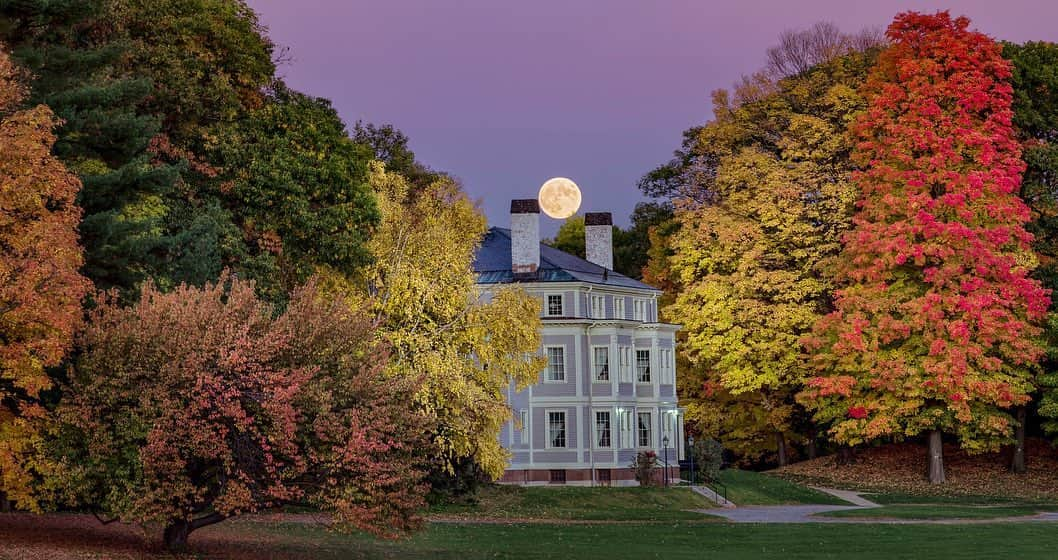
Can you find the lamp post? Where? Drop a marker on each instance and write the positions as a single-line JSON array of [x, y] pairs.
[[690, 443], [665, 446]]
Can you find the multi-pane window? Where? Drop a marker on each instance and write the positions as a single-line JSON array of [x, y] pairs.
[[556, 429], [643, 429], [626, 429], [668, 423], [602, 428], [523, 418], [556, 363], [666, 364], [619, 307], [598, 307], [626, 363], [554, 305], [601, 355], [639, 309], [643, 366]]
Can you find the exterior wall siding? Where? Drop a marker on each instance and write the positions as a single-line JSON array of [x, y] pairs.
[[601, 389], [555, 457], [532, 461]]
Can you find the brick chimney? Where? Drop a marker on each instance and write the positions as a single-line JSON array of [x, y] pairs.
[[598, 238], [525, 237]]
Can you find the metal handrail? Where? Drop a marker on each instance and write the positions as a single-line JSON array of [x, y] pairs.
[[719, 489]]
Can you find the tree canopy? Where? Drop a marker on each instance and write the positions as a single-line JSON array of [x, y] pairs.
[[936, 325], [1035, 83], [199, 404], [762, 199], [41, 287], [468, 347]]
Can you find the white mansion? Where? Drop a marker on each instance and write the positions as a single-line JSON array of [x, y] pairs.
[[609, 389]]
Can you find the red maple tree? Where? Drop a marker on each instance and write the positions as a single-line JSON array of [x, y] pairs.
[[40, 286], [935, 329]]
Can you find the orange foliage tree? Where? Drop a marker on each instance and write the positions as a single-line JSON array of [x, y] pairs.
[[936, 328], [40, 286]]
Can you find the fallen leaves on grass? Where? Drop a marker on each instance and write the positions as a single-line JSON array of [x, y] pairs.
[[901, 468]]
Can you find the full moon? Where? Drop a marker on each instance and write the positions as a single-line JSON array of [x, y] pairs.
[[559, 198]]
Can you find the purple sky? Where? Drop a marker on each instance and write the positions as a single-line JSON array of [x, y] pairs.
[[505, 94]]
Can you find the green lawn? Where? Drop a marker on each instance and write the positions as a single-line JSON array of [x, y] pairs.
[[753, 488], [918, 499], [674, 541], [937, 511], [581, 503]]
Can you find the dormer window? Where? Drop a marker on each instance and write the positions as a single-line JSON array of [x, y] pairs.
[[554, 305]]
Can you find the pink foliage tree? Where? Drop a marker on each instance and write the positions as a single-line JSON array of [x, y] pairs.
[[194, 406]]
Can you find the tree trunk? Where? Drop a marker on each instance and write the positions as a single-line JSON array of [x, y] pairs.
[[936, 458], [175, 535], [5, 504], [1017, 462], [846, 456], [780, 441], [811, 451], [176, 532]]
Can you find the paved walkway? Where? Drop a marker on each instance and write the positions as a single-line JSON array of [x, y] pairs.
[[849, 496], [778, 514]]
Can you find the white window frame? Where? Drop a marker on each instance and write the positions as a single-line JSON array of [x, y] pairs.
[[619, 307], [547, 370], [668, 425], [565, 428], [561, 306], [523, 419], [598, 306], [666, 365], [639, 309], [649, 429], [626, 419], [597, 432], [595, 371], [625, 368], [649, 372]]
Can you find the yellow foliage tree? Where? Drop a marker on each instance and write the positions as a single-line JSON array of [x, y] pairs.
[[749, 260], [421, 290]]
